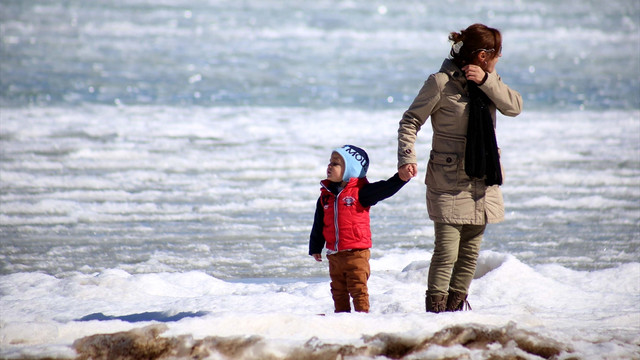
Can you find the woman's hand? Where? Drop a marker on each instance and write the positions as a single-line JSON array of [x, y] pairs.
[[318, 257], [474, 73], [407, 171]]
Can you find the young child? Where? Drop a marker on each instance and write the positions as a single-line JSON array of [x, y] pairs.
[[342, 222]]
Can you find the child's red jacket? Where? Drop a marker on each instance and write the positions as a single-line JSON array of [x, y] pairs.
[[342, 215]]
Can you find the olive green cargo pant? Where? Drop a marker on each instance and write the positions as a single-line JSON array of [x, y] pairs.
[[454, 258]]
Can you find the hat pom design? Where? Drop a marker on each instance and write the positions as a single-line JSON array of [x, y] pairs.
[[356, 162]]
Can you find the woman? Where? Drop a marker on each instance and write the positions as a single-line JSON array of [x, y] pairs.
[[464, 172]]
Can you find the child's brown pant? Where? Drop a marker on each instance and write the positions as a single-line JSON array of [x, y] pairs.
[[349, 271]]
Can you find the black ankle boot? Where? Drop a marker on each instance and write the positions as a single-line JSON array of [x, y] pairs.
[[435, 303], [457, 301]]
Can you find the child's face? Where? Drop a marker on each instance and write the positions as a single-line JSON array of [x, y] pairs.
[[335, 170]]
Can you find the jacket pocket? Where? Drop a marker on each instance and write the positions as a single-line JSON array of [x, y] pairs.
[[442, 171]]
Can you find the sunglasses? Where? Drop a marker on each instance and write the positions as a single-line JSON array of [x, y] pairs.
[[486, 50]]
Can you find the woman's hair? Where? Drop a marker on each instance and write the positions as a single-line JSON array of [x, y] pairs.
[[475, 38]]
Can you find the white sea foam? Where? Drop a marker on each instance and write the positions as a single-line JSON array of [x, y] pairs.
[[143, 179], [594, 314]]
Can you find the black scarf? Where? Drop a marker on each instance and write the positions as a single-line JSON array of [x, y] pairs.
[[481, 153]]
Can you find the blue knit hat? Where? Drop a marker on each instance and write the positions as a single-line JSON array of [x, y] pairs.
[[356, 161]]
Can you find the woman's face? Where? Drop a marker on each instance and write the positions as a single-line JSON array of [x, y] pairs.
[[485, 60], [491, 63]]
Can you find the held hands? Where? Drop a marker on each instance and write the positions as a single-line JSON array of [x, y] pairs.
[[407, 171], [317, 257], [474, 73]]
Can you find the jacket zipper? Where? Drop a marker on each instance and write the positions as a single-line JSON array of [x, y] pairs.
[[335, 218], [335, 215]]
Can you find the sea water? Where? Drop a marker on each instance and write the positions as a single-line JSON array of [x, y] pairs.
[[160, 163]]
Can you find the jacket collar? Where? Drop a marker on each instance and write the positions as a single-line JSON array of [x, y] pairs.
[[335, 187], [448, 67]]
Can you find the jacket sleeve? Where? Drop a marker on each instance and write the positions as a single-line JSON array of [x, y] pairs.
[[507, 100], [371, 193], [412, 120], [316, 239]]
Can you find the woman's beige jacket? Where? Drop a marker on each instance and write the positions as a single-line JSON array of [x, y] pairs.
[[453, 197]]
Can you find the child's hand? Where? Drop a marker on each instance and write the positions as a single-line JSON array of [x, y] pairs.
[[318, 257], [407, 171]]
